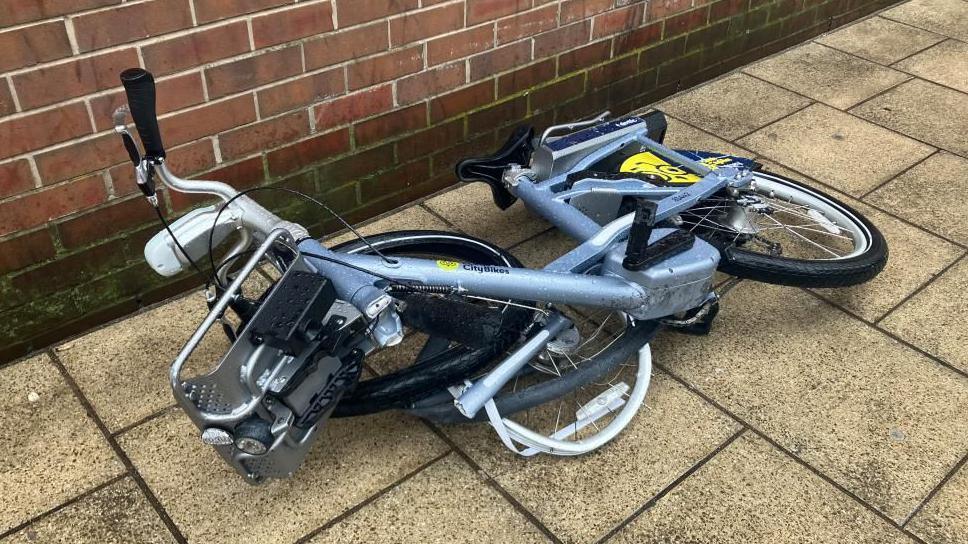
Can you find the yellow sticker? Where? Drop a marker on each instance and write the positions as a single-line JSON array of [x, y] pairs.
[[449, 266], [650, 163]]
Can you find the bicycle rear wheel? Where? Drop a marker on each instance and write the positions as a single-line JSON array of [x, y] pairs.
[[782, 232]]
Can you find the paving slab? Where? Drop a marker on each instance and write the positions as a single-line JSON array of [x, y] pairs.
[[681, 135], [849, 154], [826, 74], [751, 492], [123, 368], [945, 64], [734, 105], [116, 514], [581, 498], [946, 17], [471, 209], [880, 40], [934, 319], [922, 110], [884, 421], [446, 502], [933, 195], [544, 248], [51, 450], [915, 257], [352, 459], [944, 520]]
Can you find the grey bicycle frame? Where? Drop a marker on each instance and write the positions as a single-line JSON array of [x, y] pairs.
[[592, 274]]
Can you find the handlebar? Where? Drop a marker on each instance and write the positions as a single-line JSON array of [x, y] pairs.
[[352, 285], [139, 85]]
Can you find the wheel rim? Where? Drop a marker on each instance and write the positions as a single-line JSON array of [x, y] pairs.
[[781, 219]]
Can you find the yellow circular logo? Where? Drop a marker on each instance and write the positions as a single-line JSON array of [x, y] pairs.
[[449, 266]]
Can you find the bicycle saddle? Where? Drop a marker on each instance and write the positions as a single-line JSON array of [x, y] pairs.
[[516, 150]]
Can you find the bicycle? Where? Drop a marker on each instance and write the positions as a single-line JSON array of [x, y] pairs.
[[486, 338]]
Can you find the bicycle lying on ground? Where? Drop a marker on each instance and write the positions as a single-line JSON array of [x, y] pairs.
[[557, 360]]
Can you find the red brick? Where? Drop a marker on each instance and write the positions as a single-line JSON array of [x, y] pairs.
[[576, 10], [430, 82], [458, 102], [33, 44], [6, 99], [245, 74], [264, 134], [612, 71], [391, 124], [500, 59], [185, 161], [618, 20], [354, 12], [130, 22], [15, 178], [526, 77], [562, 39], [352, 107], [428, 141], [212, 10], [36, 208], [399, 179], [336, 47], [43, 129], [15, 12], [459, 45], [583, 57], [105, 222], [359, 164], [384, 67], [301, 154], [25, 250], [685, 22], [292, 24], [411, 27], [174, 93], [80, 158], [301, 92], [487, 10], [638, 38], [208, 120], [725, 8], [497, 115], [241, 175], [558, 92], [196, 48], [659, 9], [527, 24], [66, 80]]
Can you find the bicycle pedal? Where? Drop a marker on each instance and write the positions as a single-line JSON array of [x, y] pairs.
[[668, 246], [700, 327]]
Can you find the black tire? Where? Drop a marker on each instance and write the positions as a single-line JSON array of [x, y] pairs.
[[779, 270], [402, 388], [440, 408]]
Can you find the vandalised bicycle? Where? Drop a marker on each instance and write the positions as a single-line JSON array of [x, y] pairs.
[[456, 329]]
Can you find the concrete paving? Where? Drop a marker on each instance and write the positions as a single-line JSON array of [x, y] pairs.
[[805, 416]]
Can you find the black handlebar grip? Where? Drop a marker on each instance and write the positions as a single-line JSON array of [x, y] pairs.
[[139, 85]]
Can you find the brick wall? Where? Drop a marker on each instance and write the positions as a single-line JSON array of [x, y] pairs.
[[365, 103]]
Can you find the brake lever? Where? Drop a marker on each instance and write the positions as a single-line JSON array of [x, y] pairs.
[[144, 173]]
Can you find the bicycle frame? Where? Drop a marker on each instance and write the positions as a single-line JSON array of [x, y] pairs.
[[592, 274]]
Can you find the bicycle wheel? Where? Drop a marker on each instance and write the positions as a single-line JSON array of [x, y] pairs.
[[576, 395], [782, 232], [423, 365]]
